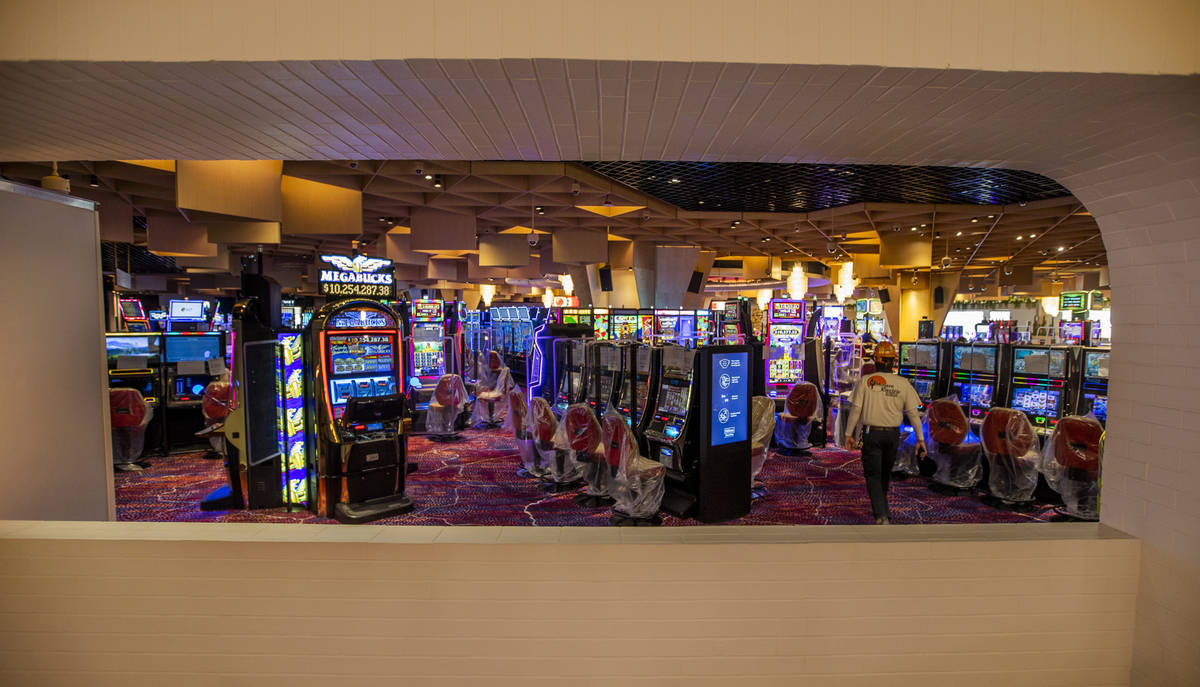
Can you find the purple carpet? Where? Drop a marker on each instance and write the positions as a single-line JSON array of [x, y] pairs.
[[474, 482]]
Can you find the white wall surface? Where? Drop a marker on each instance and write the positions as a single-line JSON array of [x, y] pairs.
[[57, 459], [253, 605]]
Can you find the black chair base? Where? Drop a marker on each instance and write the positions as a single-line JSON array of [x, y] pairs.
[[948, 490], [1061, 515], [1000, 504], [522, 472], [213, 455], [444, 438], [593, 501], [560, 487], [490, 424], [620, 519], [792, 451]]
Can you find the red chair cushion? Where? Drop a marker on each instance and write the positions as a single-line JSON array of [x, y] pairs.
[[1077, 443], [947, 422], [517, 407], [1007, 432], [802, 400], [126, 407], [583, 432], [216, 401], [544, 424], [618, 440]]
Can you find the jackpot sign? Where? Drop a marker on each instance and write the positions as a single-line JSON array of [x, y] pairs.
[[357, 276]]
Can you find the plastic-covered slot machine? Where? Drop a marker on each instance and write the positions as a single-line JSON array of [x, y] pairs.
[[1093, 384], [641, 364], [975, 376], [357, 444], [607, 372], [571, 357], [920, 363], [1038, 383], [785, 346], [698, 428]]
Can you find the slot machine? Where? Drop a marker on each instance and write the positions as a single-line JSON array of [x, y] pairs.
[[453, 314], [548, 358], [699, 429], [831, 319], [357, 457], [686, 329], [1075, 332], [625, 325], [191, 360], [784, 346], [133, 316], [187, 316], [1037, 383], [921, 363], [646, 326], [641, 363], [704, 327], [975, 376], [1092, 384], [135, 361], [666, 327], [571, 355], [577, 316], [158, 320], [606, 374], [601, 324], [424, 328]]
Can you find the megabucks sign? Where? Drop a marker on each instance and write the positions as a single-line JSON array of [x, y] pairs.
[[358, 276]]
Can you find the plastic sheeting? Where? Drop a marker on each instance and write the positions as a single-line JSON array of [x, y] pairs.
[[794, 425], [491, 404], [130, 414], [579, 436], [1071, 461], [638, 483], [956, 452], [762, 426], [447, 403], [552, 461], [1013, 454], [216, 401], [906, 456]]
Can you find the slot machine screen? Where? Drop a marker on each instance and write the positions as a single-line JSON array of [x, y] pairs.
[[1040, 361], [787, 310], [975, 358], [625, 327], [919, 355], [600, 327], [140, 346], [364, 318], [362, 366], [975, 395], [132, 310], [668, 327], [187, 310], [1036, 401], [427, 310], [785, 353], [923, 387], [1097, 404], [194, 347], [645, 327], [1095, 364]]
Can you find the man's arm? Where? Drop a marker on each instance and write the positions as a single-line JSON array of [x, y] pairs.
[[855, 410]]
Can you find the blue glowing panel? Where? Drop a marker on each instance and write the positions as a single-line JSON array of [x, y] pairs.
[[730, 398]]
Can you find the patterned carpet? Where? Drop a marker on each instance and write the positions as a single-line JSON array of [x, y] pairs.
[[474, 482]]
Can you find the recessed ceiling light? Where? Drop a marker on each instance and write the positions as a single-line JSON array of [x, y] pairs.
[[1020, 237], [991, 216], [701, 202], [428, 177], [674, 181], [1061, 249], [959, 234], [922, 225], [974, 219], [1033, 236]]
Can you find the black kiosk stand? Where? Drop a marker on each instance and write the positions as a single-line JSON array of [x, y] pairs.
[[699, 429]]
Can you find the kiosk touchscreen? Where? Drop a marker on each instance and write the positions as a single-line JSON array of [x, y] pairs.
[[785, 346], [699, 429], [357, 449], [974, 375], [1093, 387], [1037, 383], [920, 364]]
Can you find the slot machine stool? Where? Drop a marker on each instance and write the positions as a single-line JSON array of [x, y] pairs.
[[579, 436], [449, 398], [1071, 461], [129, 415], [518, 421], [560, 475], [1011, 447], [637, 483], [492, 388], [957, 458], [215, 407], [793, 428]]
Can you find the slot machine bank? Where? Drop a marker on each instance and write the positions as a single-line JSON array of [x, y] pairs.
[[699, 429]]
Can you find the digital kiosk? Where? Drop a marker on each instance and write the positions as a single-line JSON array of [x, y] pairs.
[[699, 429]]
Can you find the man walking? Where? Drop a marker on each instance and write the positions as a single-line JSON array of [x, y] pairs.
[[880, 401]]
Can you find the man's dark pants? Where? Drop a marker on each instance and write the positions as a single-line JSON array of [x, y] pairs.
[[879, 446]]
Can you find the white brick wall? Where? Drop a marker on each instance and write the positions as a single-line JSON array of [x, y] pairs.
[[134, 604]]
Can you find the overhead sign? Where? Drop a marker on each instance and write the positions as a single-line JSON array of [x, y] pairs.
[[730, 398], [1074, 300], [565, 302], [358, 276]]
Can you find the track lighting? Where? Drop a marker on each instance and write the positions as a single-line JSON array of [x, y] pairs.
[[437, 180]]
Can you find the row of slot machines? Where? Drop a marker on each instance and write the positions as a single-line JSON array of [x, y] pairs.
[[653, 326], [1045, 382], [171, 370], [181, 315], [688, 406]]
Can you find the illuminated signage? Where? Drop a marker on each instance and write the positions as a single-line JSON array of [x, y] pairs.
[[358, 276], [565, 302], [787, 310], [730, 398], [1074, 300]]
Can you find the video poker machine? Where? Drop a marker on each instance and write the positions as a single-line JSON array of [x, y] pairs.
[[784, 345], [357, 449], [699, 429], [921, 362], [1037, 383], [975, 376], [1092, 384]]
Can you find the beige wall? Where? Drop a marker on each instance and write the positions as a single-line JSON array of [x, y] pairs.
[[179, 604], [57, 459]]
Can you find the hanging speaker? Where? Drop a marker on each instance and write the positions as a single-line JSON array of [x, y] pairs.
[[696, 282], [939, 296], [884, 296], [605, 278]]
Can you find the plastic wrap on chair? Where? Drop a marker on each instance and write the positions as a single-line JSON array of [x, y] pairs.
[[906, 455], [762, 426], [216, 401], [956, 452], [491, 404], [517, 414], [130, 414], [1071, 461], [638, 483], [447, 403], [794, 424], [1012, 451], [579, 436], [551, 462]]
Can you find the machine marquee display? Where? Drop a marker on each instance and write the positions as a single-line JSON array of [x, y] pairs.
[[358, 276]]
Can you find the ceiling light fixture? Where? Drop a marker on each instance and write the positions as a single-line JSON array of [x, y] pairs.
[[974, 219], [674, 181], [94, 181], [1061, 249], [959, 234], [1020, 237], [437, 180]]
